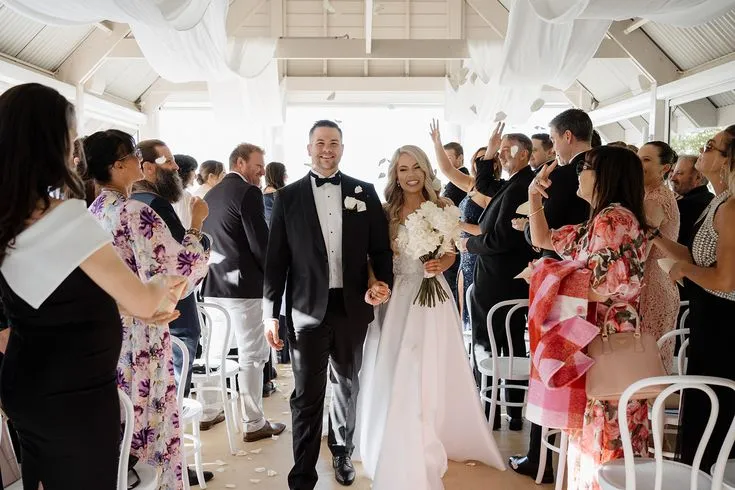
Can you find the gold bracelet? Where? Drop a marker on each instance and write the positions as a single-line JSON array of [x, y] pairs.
[[537, 211], [195, 232]]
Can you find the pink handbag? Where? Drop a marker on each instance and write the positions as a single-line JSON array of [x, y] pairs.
[[621, 359]]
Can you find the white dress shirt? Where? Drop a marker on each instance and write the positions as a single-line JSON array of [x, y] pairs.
[[328, 199]]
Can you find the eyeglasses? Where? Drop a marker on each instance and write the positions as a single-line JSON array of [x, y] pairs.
[[710, 146], [584, 165], [135, 153]]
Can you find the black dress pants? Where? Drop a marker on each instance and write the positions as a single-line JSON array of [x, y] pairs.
[[336, 344]]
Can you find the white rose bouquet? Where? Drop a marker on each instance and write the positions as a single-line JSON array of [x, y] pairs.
[[431, 232]]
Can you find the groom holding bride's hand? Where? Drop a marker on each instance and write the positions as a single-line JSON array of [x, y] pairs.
[[325, 228]]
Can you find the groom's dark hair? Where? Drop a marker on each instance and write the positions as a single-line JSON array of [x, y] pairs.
[[325, 123]]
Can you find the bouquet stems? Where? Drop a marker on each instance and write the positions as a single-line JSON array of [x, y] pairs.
[[431, 291]]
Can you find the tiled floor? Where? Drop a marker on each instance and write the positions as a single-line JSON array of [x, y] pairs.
[[250, 471]]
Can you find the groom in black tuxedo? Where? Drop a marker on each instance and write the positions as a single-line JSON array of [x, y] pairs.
[[324, 229]]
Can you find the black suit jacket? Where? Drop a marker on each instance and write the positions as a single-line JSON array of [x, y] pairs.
[[188, 320], [454, 193], [485, 181], [502, 253], [239, 233], [563, 206], [297, 255], [499, 240], [691, 205]]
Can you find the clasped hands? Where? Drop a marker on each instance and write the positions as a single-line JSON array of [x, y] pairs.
[[378, 293]]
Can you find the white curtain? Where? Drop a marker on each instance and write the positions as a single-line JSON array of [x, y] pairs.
[[549, 42], [184, 41]]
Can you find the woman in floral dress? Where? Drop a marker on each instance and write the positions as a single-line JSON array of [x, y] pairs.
[[612, 243], [145, 370]]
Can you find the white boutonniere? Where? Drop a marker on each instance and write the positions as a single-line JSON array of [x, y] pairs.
[[353, 204], [358, 189]]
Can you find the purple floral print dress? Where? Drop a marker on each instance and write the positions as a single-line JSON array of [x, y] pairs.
[[145, 370]]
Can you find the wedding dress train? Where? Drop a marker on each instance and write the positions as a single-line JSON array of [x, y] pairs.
[[418, 404]]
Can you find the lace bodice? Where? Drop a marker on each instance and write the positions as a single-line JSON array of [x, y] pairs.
[[704, 248], [404, 264]]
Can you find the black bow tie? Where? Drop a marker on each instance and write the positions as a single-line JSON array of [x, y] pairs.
[[335, 179]]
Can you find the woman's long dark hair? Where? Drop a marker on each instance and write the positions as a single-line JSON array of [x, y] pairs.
[[618, 179], [275, 175], [35, 155]]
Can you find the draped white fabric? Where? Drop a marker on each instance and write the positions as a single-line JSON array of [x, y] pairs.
[[184, 41], [549, 42]]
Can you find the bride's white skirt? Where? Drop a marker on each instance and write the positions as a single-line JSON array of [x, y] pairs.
[[418, 403]]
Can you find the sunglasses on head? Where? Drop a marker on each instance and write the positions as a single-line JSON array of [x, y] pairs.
[[135, 153], [710, 146], [584, 165]]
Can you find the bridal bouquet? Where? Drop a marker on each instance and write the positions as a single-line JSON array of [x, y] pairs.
[[431, 232]]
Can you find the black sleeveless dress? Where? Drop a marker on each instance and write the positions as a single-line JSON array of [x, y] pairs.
[[58, 378], [711, 340]]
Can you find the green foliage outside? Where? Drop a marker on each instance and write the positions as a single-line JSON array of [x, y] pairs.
[[690, 144]]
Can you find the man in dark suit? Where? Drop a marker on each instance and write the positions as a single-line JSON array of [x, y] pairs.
[[502, 252], [543, 151], [694, 196], [455, 153], [161, 188], [324, 228], [239, 232], [571, 134]]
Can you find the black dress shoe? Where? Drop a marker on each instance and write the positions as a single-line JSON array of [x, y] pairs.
[[515, 424], [268, 389], [344, 472], [524, 466], [194, 480]]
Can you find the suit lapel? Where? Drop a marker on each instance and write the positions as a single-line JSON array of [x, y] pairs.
[[311, 217], [348, 189]]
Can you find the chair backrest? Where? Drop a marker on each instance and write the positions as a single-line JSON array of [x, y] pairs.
[[515, 304], [179, 344], [126, 406], [672, 384], [208, 325], [681, 356], [685, 314]]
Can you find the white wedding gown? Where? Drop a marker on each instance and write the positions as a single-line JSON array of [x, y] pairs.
[[418, 404]]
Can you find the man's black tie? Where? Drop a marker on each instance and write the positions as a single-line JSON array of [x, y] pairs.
[[335, 179]]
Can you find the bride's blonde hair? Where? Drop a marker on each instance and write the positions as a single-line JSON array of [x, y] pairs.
[[394, 193]]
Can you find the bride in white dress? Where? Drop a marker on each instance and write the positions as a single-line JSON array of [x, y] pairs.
[[418, 404]]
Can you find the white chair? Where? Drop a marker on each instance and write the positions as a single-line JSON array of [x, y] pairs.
[[509, 368], [728, 482], [561, 450], [190, 412], [646, 473], [218, 370], [672, 408], [146, 473]]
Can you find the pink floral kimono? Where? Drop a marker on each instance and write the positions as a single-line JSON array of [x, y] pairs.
[[613, 246]]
